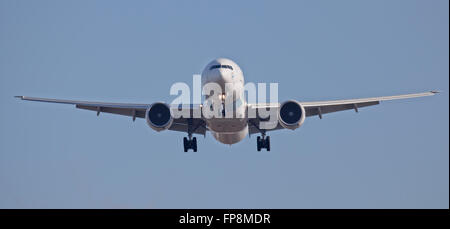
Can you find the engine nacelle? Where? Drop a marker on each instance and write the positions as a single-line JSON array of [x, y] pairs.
[[159, 116], [291, 114]]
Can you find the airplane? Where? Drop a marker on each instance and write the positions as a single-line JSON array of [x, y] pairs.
[[288, 115]]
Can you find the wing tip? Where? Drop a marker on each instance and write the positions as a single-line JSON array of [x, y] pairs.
[[19, 96], [435, 91]]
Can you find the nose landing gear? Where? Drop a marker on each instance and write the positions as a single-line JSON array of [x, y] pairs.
[[190, 143], [263, 142]]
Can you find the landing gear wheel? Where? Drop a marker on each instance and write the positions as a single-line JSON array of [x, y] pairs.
[[258, 143], [263, 142], [185, 144], [190, 143], [194, 144]]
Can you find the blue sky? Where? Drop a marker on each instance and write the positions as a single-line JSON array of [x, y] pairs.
[[394, 155]]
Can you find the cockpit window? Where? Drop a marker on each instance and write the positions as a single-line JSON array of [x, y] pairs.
[[227, 66], [220, 66]]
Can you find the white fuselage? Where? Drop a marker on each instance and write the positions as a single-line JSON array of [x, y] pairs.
[[233, 127]]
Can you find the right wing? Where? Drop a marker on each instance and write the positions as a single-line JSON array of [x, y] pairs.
[[133, 110], [128, 109]]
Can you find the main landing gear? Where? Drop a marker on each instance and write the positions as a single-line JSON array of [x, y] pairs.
[[190, 143], [263, 142]]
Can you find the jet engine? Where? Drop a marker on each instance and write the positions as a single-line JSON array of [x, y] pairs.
[[159, 117], [291, 114]]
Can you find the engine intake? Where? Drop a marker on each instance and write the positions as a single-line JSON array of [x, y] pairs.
[[291, 115], [159, 117]]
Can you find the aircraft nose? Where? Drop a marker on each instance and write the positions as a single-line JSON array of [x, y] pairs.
[[225, 76]]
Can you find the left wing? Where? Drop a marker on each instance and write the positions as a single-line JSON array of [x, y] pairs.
[[323, 107]]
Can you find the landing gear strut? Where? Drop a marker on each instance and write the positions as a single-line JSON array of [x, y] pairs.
[[263, 142], [190, 143]]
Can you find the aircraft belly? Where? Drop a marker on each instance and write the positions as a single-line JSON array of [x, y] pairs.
[[228, 131], [226, 125]]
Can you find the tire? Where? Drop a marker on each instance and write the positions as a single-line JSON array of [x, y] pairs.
[[268, 143], [185, 144], [194, 144], [258, 143]]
